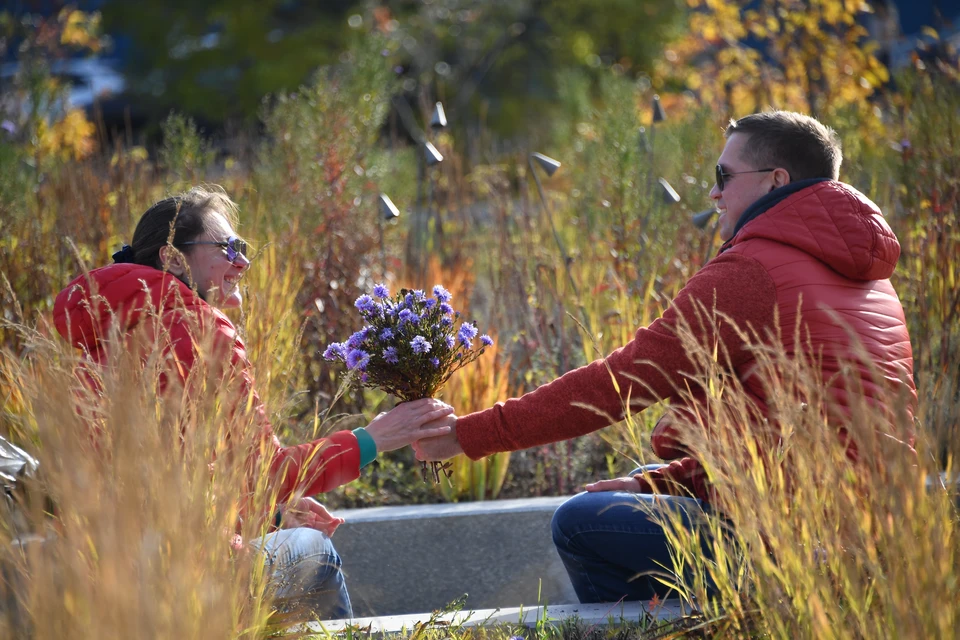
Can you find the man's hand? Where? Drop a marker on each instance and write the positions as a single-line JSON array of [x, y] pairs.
[[630, 484], [440, 447], [408, 422], [307, 512]]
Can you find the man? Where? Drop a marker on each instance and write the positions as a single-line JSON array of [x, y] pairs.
[[795, 241]]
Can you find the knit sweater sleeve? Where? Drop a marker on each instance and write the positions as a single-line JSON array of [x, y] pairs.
[[650, 368]]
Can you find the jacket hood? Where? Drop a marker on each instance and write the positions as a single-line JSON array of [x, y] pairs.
[[829, 220], [124, 294]]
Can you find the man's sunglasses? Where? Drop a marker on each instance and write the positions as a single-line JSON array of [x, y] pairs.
[[721, 175], [235, 247]]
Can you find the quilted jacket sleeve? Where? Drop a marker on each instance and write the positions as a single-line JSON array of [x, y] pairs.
[[309, 468]]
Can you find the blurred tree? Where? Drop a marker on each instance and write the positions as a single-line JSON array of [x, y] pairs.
[[34, 104], [808, 56], [502, 59], [218, 58]]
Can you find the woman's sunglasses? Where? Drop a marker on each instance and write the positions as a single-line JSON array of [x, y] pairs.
[[721, 175], [235, 247]]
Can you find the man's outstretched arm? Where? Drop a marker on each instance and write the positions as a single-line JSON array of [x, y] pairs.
[[586, 399]]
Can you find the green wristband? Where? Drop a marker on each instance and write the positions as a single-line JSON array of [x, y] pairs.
[[368, 448]]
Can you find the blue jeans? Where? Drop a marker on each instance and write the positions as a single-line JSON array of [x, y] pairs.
[[613, 548], [306, 573]]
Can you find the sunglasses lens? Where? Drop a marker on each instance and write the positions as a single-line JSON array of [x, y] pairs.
[[235, 248], [719, 178]]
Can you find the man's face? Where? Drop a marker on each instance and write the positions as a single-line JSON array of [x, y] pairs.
[[739, 191]]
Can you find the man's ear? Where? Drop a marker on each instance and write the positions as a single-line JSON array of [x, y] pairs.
[[781, 178], [172, 260]]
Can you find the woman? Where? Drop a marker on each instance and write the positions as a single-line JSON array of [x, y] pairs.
[[184, 264]]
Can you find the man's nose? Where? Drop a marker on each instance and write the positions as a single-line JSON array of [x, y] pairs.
[[715, 193]]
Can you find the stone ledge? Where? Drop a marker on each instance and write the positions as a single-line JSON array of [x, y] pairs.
[[420, 558], [598, 614], [487, 507]]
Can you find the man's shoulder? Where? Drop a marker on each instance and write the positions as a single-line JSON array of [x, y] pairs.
[[766, 252], [731, 275]]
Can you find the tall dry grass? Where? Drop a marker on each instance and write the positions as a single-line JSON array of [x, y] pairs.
[[146, 490], [801, 542]]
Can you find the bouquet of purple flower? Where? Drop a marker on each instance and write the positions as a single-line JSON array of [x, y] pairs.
[[411, 343]]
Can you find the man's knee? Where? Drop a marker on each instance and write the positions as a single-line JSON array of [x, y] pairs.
[[566, 520]]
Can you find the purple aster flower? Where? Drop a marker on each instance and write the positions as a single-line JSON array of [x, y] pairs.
[[364, 377], [430, 303], [390, 355], [442, 294], [386, 334], [381, 291], [408, 300], [450, 342], [466, 334], [435, 362], [358, 359], [335, 351], [419, 295], [486, 340], [357, 339], [9, 127], [467, 331], [365, 304], [446, 322], [420, 345], [444, 307], [408, 316]]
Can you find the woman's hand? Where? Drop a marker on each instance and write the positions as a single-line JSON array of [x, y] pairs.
[[307, 512], [408, 422]]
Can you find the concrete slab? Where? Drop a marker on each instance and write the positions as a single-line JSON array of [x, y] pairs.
[[420, 558], [590, 614]]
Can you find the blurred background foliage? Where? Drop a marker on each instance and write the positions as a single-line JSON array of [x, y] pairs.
[[493, 58]]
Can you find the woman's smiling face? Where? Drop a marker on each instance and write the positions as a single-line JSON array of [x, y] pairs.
[[216, 277]]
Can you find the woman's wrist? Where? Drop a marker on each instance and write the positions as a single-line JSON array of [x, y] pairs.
[[368, 446]]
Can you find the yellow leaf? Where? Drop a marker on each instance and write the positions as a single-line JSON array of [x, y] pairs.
[[138, 154], [930, 31]]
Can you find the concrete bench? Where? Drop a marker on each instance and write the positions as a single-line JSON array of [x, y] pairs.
[[588, 614], [420, 558]]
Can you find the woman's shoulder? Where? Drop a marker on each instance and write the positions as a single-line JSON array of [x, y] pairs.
[[119, 281]]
